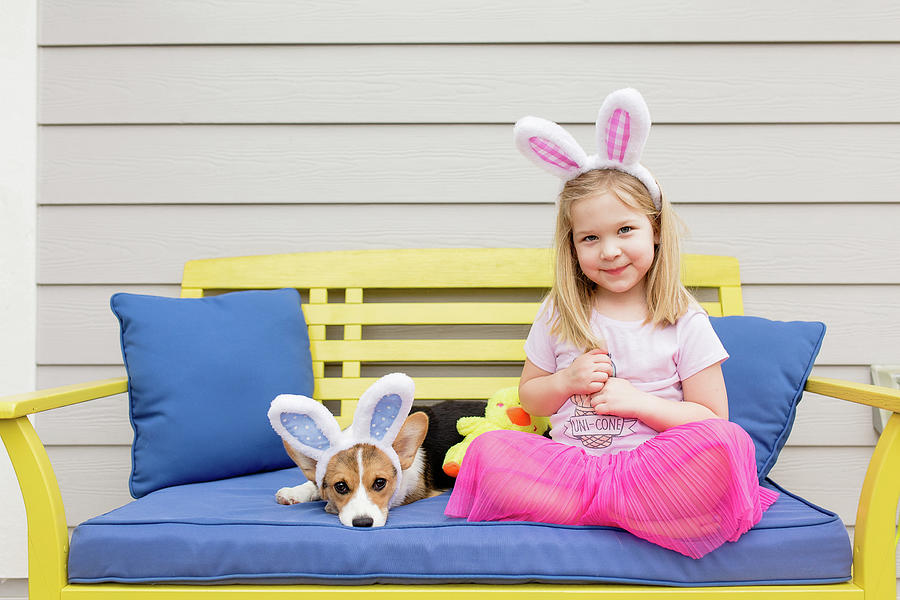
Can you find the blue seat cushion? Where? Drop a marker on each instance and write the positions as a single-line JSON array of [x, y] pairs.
[[232, 531]]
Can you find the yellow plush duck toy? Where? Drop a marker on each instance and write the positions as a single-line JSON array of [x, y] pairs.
[[503, 411]]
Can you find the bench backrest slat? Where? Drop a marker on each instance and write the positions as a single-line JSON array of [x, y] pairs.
[[454, 319]]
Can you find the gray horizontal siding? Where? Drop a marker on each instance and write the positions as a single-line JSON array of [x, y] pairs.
[[776, 243], [451, 163], [73, 22], [683, 83]]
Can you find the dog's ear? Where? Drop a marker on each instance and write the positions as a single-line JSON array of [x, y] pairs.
[[410, 438], [305, 425], [306, 464], [382, 408]]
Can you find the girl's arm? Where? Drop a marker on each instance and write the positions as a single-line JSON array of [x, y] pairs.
[[704, 398], [541, 393]]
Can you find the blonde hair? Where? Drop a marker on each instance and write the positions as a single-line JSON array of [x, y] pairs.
[[572, 294]]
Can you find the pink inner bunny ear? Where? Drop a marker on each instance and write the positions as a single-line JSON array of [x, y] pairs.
[[551, 153], [618, 133]]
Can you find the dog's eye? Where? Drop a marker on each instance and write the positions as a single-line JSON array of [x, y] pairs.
[[341, 488], [379, 484]]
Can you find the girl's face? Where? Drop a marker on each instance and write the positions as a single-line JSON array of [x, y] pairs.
[[614, 244]]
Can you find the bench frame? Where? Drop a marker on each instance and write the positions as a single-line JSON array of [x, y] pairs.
[[353, 273]]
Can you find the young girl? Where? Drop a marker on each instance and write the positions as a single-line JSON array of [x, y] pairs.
[[624, 362]]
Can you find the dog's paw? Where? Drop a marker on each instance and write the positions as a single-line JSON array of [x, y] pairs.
[[306, 492]]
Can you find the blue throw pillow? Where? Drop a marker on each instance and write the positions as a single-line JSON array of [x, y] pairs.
[[201, 375], [765, 374]]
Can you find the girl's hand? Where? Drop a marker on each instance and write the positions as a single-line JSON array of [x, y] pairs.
[[620, 398], [588, 373]]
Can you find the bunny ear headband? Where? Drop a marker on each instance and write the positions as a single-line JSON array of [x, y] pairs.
[[623, 125], [312, 430]]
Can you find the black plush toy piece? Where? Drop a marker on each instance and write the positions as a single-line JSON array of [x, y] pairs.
[[442, 434]]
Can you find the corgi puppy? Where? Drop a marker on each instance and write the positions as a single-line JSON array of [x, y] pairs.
[[360, 481], [381, 461]]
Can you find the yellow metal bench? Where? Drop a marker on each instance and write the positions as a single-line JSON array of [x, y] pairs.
[[435, 308]]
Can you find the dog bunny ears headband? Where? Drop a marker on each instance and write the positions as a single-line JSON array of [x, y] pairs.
[[623, 125], [312, 430]]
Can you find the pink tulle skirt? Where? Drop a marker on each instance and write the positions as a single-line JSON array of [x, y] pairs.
[[689, 489]]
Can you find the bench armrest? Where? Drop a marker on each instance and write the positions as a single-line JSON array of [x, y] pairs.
[[874, 541], [861, 393], [20, 405], [48, 541]]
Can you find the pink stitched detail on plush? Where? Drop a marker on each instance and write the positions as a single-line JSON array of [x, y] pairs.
[[618, 131], [551, 153]]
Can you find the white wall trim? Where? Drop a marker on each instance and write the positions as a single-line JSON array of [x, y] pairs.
[[18, 192]]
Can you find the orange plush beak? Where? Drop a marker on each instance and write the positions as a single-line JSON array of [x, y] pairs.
[[518, 416]]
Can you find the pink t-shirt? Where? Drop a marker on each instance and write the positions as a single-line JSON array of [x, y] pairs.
[[654, 359]]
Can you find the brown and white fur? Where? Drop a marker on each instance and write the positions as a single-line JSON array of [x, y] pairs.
[[360, 481]]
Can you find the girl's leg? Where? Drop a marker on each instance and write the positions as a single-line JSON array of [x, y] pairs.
[[510, 475], [690, 489]]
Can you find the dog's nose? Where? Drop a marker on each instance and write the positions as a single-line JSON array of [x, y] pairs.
[[363, 521]]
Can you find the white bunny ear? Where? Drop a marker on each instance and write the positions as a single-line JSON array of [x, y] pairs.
[[304, 424], [382, 409], [623, 125], [550, 147]]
